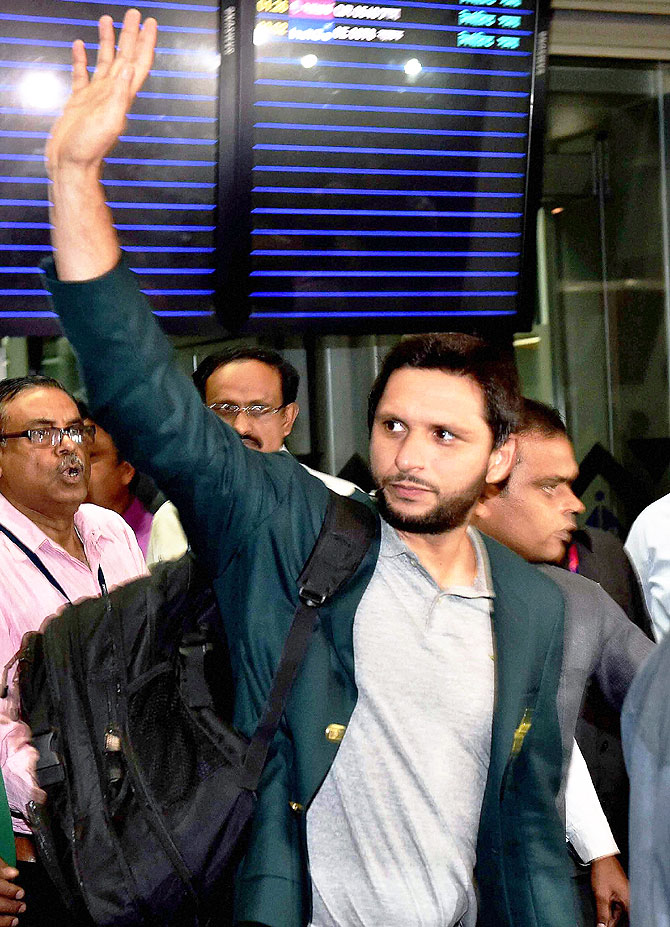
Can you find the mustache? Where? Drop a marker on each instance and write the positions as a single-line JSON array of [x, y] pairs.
[[401, 477], [252, 440], [69, 461]]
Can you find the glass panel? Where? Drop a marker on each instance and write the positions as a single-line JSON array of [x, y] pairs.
[[602, 267]]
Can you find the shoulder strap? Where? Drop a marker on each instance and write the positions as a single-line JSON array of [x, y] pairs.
[[36, 561], [346, 534]]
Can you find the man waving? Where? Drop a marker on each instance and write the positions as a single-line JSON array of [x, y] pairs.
[[414, 778]]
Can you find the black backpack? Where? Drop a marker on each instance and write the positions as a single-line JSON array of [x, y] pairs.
[[150, 790]]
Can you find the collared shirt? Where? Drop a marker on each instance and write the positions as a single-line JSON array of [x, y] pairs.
[[391, 833], [28, 598], [586, 826], [648, 549]]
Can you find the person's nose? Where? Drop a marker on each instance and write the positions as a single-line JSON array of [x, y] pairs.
[[66, 444], [574, 504], [411, 453], [241, 422]]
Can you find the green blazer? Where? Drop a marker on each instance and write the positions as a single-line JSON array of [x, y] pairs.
[[254, 519]]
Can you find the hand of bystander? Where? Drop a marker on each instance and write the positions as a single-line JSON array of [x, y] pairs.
[[610, 889], [11, 896]]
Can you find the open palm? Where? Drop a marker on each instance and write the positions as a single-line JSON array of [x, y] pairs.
[[95, 114]]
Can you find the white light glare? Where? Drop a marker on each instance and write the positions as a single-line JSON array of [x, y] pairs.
[[261, 35], [43, 91], [309, 61], [413, 67], [210, 61]]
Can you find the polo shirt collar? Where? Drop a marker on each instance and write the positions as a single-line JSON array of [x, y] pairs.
[[393, 546]]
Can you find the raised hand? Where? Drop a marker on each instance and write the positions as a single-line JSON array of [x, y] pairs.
[[84, 238], [95, 114]]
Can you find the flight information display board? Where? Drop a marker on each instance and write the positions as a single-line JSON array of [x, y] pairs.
[[378, 174], [300, 164], [160, 180]]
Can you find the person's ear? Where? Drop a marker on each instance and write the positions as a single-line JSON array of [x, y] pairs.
[[290, 412], [3, 448], [127, 472], [501, 461]]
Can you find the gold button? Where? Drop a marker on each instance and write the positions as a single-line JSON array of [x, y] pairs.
[[296, 806], [335, 732]]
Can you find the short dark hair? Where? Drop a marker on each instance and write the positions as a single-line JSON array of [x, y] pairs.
[[85, 413], [12, 386], [492, 368], [290, 378], [540, 419], [84, 410]]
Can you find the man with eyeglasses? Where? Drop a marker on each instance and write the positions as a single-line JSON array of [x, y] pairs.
[[255, 391], [53, 551]]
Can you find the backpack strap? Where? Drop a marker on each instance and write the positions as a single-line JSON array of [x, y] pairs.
[[346, 534]]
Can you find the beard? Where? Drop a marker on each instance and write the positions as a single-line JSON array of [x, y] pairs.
[[449, 512]]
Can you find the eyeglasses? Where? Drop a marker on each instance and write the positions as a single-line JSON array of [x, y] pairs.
[[50, 436], [228, 411]]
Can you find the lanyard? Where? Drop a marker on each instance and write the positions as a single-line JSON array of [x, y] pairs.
[[54, 582], [573, 559], [34, 559]]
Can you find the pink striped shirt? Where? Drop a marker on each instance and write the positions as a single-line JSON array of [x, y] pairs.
[[27, 598]]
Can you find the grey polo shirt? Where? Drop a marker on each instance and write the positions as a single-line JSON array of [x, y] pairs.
[[392, 832]]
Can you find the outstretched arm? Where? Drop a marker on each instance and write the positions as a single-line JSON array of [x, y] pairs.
[[94, 117], [222, 489]]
